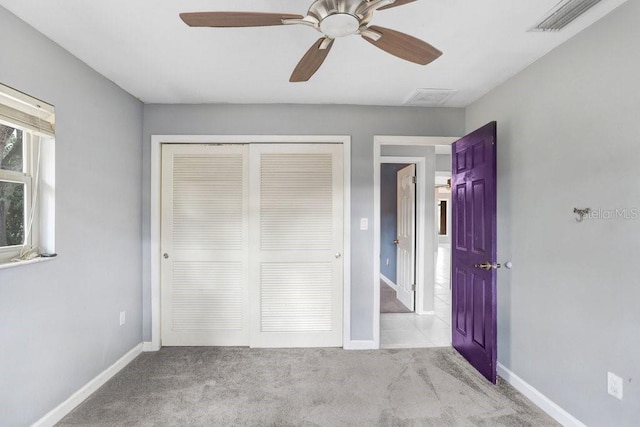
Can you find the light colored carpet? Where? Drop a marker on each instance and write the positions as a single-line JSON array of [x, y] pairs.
[[388, 301], [209, 386]]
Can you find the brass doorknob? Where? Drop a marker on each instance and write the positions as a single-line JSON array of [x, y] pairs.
[[488, 266], [396, 241]]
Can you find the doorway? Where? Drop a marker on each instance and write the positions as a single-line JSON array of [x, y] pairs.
[[422, 327], [442, 284]]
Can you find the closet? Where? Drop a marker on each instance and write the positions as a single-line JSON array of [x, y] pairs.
[[251, 243]]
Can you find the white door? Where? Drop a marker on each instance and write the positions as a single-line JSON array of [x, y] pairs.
[[204, 241], [406, 241], [296, 282], [289, 199]]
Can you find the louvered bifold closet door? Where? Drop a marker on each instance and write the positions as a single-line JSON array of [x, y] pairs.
[[296, 286], [205, 245]]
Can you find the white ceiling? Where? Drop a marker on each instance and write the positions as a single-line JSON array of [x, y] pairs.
[[147, 50]]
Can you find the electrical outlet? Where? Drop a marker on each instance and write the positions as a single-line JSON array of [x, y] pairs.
[[123, 318], [364, 223], [614, 385]]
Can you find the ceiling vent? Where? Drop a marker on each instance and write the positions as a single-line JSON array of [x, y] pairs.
[[430, 97], [563, 14]]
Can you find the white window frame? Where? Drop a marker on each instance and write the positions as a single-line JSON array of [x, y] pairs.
[[36, 119], [26, 178]]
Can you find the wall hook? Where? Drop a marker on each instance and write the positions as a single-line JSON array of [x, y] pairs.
[[581, 213]]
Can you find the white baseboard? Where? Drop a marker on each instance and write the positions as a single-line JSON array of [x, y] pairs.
[[150, 346], [60, 411], [360, 345], [542, 401], [388, 281]]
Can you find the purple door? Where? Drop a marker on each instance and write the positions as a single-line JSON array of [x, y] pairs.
[[473, 249]]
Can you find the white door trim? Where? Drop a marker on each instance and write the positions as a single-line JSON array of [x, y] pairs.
[[155, 209], [378, 142]]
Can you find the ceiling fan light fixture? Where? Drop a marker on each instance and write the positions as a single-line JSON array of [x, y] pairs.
[[339, 25]]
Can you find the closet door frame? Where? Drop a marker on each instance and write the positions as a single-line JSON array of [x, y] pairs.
[[155, 213]]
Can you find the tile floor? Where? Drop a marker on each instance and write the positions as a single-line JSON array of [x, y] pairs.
[[409, 330]]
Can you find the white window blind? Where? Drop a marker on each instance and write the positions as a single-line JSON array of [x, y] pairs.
[[26, 112]]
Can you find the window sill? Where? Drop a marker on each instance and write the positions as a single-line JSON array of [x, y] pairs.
[[9, 264]]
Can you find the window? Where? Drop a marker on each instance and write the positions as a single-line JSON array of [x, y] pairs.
[[26, 176], [15, 186]]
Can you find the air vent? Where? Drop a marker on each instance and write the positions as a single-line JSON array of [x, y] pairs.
[[563, 14], [430, 97]]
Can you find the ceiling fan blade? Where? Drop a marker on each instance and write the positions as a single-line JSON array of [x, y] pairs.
[[396, 4], [312, 60], [404, 46], [235, 19]]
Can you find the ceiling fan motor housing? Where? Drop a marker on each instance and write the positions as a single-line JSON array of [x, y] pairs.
[[339, 18]]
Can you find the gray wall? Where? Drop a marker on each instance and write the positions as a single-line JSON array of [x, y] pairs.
[[59, 319], [568, 136], [362, 123], [389, 218], [443, 162]]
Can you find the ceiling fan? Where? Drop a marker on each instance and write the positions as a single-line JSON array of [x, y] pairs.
[[333, 18]]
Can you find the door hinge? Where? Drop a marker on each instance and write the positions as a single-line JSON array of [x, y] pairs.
[[414, 179], [413, 287]]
